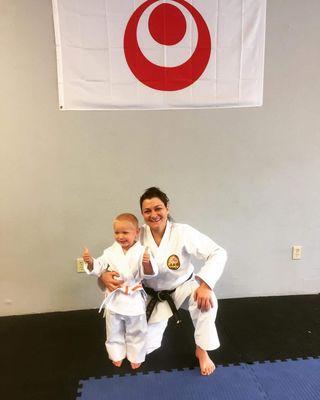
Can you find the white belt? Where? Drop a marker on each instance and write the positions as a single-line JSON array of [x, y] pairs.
[[126, 289]]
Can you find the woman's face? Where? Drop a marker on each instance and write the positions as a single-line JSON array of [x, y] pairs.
[[155, 213]]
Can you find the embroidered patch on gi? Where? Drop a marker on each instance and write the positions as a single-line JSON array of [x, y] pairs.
[[173, 262]]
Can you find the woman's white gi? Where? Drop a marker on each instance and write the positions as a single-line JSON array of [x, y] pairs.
[[125, 307], [173, 256]]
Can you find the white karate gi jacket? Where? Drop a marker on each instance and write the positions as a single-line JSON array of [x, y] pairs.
[[129, 299], [179, 244]]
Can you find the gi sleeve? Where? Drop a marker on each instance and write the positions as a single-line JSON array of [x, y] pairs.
[[100, 265], [205, 249]]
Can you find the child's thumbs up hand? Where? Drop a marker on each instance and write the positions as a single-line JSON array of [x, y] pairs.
[[87, 257], [146, 256], [146, 263]]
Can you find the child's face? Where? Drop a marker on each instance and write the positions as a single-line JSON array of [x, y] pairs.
[[125, 233]]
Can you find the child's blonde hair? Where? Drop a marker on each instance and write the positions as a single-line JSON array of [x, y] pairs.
[[128, 217]]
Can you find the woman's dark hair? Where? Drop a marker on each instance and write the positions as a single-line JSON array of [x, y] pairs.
[[152, 192]]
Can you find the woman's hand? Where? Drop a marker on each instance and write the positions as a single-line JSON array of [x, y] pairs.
[[202, 296], [109, 279]]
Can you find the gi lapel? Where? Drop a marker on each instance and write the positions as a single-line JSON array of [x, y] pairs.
[[119, 261]]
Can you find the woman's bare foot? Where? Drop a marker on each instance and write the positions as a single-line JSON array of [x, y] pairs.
[[207, 366], [117, 363], [135, 365]]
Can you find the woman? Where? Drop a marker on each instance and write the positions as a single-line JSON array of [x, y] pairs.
[[173, 245]]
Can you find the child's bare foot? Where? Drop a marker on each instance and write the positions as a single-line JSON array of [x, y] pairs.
[[207, 366], [135, 365], [117, 363]]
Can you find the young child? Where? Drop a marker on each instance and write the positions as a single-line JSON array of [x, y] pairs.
[[125, 307]]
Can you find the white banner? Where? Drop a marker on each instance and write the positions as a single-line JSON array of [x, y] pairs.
[[154, 54]]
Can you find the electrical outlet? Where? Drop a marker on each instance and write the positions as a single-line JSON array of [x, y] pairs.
[[296, 252], [80, 265]]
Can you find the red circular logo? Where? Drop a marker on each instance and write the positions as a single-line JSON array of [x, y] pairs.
[[167, 26]]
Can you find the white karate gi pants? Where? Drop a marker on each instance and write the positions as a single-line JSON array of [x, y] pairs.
[[205, 332], [126, 337]]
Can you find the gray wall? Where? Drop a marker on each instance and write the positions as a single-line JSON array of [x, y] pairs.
[[249, 178]]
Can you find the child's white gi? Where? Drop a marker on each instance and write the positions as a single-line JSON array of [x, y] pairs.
[[126, 324], [173, 256]]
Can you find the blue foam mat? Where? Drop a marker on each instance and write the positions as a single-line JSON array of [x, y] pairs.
[[281, 380]]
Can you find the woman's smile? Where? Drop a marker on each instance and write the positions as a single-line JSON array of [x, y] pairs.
[[155, 213]]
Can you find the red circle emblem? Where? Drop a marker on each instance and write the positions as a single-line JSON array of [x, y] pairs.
[[167, 25]]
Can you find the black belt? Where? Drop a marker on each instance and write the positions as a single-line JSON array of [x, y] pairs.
[[163, 295]]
